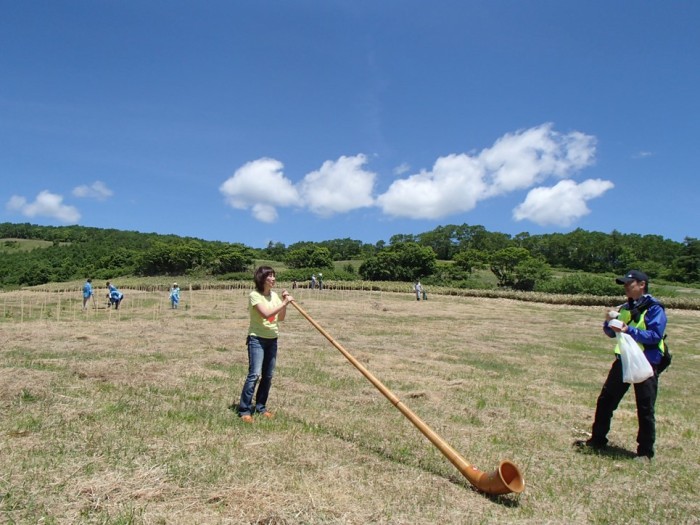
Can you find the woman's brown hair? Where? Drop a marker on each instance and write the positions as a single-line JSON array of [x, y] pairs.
[[260, 277]]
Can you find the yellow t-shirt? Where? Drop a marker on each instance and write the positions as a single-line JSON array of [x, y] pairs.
[[260, 326]]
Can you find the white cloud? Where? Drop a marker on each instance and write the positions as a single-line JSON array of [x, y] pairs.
[[261, 186], [402, 168], [455, 185], [520, 160], [516, 161], [338, 187], [16, 203], [97, 190], [264, 212], [562, 204], [47, 204]]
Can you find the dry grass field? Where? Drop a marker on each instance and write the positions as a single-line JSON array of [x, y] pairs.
[[122, 417]]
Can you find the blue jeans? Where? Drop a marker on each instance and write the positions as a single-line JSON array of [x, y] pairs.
[[262, 356]]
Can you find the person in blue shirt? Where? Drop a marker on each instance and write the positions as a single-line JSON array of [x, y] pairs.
[[642, 317], [174, 296], [87, 293], [114, 295]]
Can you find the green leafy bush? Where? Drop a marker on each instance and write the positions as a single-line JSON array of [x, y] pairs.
[[579, 283]]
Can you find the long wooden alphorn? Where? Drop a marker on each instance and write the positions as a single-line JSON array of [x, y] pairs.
[[504, 480]]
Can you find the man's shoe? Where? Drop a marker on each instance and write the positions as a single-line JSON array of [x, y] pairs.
[[247, 418], [589, 443], [268, 414]]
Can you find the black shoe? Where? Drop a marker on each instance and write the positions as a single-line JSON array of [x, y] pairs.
[[589, 443]]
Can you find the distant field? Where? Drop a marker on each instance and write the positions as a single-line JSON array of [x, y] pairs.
[[122, 416], [22, 245]]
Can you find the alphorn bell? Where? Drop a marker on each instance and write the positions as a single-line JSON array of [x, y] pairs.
[[504, 480]]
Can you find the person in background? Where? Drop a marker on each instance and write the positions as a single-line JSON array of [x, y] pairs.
[[320, 281], [418, 289], [175, 296], [114, 295], [644, 319], [87, 293], [265, 309], [313, 281]]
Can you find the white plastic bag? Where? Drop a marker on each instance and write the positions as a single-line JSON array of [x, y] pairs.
[[635, 367]]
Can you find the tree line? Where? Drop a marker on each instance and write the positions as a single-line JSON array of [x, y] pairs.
[[448, 255]]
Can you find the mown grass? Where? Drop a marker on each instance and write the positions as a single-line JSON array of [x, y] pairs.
[[22, 245], [673, 296], [124, 417]]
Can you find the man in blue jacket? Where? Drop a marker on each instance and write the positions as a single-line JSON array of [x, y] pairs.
[[87, 293], [114, 295], [644, 319]]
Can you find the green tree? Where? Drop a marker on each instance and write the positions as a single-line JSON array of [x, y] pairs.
[[580, 283], [469, 260], [37, 272], [518, 269], [478, 238], [530, 273], [401, 238], [400, 262], [275, 251], [686, 266], [173, 258], [309, 256], [231, 259], [343, 249], [504, 262], [443, 240]]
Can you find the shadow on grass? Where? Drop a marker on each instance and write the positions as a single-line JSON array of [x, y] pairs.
[[510, 500], [610, 451], [507, 500]]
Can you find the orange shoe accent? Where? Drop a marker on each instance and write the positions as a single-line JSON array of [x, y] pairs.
[[268, 415], [247, 419]]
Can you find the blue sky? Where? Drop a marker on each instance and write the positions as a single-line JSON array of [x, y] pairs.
[[298, 120]]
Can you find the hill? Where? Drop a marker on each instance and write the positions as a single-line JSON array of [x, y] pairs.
[[35, 254]]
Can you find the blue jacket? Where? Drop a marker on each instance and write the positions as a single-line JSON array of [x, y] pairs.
[[114, 294], [651, 336]]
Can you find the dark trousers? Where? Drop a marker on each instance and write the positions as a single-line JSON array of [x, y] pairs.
[[610, 396]]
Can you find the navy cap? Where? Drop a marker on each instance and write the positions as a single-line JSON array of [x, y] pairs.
[[633, 275]]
